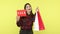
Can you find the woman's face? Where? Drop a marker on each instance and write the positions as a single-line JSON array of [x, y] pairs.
[[28, 9]]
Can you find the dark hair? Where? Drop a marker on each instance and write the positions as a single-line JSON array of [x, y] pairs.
[[26, 4], [31, 14]]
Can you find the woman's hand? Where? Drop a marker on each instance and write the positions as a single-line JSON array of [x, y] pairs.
[[37, 9], [17, 18]]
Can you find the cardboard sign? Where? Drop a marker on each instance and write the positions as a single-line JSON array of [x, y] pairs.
[[21, 12]]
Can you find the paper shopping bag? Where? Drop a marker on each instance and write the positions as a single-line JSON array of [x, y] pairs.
[[41, 25], [38, 24]]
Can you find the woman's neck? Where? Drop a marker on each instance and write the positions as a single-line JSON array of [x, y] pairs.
[[28, 13]]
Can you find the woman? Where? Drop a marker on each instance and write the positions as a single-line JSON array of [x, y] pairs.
[[26, 22]]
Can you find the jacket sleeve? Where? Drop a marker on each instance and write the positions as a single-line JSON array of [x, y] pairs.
[[19, 22], [33, 19]]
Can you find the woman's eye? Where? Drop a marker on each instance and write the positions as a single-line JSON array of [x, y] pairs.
[[27, 7]]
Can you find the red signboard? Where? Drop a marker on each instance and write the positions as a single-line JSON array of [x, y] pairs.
[[21, 12]]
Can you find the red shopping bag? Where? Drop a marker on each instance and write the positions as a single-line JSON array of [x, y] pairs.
[[21, 12], [38, 24], [41, 25]]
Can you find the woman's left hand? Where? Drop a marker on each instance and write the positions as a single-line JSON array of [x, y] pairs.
[[37, 9]]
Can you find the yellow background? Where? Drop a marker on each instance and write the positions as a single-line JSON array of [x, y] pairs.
[[49, 9]]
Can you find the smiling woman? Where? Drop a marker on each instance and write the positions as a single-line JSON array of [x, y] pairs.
[[26, 22], [49, 10]]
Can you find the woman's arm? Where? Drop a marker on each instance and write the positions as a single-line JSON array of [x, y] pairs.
[[17, 18], [33, 18], [37, 9], [18, 21]]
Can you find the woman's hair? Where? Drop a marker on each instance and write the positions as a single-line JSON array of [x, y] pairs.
[[31, 14], [26, 4]]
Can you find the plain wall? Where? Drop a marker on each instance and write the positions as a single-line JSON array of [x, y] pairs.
[[49, 9]]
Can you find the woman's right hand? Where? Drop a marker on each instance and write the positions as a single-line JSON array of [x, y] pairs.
[[17, 18]]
